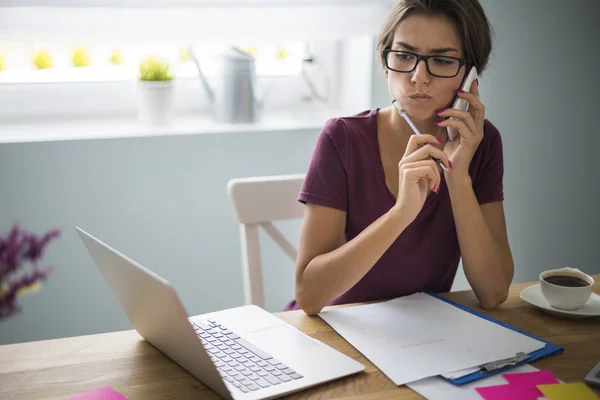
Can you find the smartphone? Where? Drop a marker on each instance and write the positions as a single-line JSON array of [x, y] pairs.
[[462, 104]]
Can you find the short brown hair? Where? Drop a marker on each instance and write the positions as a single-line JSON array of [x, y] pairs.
[[468, 15]]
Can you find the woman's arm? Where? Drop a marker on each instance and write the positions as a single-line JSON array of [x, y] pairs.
[[326, 270], [481, 229], [486, 255]]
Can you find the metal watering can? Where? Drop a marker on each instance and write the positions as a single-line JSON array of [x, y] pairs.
[[234, 98]]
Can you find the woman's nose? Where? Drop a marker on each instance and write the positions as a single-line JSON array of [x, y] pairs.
[[420, 73]]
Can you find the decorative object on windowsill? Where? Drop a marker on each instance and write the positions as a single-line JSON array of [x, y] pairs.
[[43, 59], [80, 57], [234, 99], [155, 89], [20, 269], [115, 57]]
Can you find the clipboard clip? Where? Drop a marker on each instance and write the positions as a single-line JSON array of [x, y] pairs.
[[494, 365]]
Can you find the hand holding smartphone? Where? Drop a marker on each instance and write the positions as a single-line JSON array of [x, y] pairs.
[[462, 104]]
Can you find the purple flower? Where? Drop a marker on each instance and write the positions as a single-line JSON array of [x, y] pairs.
[[20, 253], [8, 304], [37, 245]]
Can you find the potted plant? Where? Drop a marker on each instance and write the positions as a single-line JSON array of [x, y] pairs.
[[155, 91], [20, 266]]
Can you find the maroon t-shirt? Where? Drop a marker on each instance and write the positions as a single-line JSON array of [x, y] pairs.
[[346, 173]]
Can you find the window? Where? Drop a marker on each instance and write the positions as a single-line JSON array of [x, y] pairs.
[[55, 62], [66, 58]]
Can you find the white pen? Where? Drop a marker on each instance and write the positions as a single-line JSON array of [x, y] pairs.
[[415, 130]]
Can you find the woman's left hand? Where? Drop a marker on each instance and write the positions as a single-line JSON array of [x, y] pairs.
[[470, 127]]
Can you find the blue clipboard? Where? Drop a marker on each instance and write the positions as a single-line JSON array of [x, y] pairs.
[[549, 350]]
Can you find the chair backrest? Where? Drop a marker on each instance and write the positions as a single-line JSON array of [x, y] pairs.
[[257, 202]]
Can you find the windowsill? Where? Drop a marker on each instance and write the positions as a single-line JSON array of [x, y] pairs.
[[127, 73], [130, 127]]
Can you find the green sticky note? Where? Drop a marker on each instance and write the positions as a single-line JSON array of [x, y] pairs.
[[568, 391]]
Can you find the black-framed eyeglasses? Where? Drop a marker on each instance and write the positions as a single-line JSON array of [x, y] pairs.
[[406, 61]]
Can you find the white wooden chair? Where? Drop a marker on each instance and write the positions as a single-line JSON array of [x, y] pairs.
[[257, 201]]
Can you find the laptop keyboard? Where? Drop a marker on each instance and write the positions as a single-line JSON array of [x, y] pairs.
[[245, 366]]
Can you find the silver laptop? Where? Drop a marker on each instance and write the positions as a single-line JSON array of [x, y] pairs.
[[240, 353]]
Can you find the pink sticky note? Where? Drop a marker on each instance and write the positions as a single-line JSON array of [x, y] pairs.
[[510, 391], [535, 378], [103, 393]]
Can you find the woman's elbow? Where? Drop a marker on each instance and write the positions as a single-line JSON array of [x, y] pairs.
[[305, 299], [311, 310], [498, 293], [306, 302], [493, 300]]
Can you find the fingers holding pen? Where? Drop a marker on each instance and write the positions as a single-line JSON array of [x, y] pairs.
[[415, 142], [428, 151]]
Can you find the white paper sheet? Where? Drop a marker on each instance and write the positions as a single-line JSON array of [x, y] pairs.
[[461, 373], [436, 388], [419, 336]]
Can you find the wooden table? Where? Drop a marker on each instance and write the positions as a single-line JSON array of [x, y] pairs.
[[57, 369]]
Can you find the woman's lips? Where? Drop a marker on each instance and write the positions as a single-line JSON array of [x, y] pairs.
[[420, 97]]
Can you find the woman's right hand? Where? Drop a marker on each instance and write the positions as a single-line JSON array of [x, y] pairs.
[[419, 173]]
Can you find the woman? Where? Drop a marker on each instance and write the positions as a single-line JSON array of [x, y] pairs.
[[382, 219]]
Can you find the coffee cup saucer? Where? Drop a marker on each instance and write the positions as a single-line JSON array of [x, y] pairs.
[[533, 295]]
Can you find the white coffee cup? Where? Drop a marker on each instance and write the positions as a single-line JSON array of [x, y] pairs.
[[559, 294]]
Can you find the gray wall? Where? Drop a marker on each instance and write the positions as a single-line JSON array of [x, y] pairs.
[[162, 201]]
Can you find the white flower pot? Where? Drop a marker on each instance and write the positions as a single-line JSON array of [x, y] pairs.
[[155, 102]]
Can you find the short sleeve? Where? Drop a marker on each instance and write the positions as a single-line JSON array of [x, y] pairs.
[[488, 185], [326, 181]]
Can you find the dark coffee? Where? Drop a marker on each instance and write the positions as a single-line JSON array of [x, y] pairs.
[[565, 280]]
